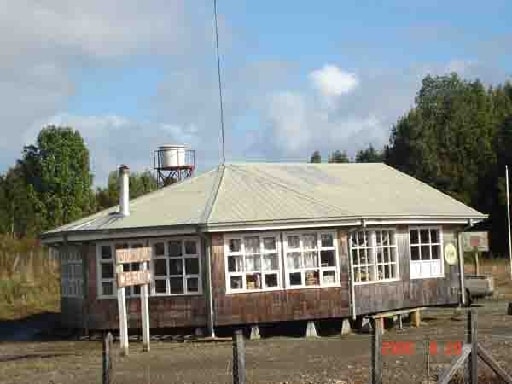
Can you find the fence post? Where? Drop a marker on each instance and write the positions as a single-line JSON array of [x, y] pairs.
[[238, 357], [473, 340], [376, 351], [107, 376]]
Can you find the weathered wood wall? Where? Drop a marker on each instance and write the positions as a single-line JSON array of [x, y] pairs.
[[407, 293], [283, 305]]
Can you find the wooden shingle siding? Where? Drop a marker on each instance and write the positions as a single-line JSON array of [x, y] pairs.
[[280, 305], [407, 292]]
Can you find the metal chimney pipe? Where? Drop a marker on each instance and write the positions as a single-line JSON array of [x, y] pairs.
[[124, 190]]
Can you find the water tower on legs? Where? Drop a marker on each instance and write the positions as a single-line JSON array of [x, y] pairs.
[[173, 163]]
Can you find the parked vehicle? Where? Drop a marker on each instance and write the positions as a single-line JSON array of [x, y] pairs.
[[478, 286]]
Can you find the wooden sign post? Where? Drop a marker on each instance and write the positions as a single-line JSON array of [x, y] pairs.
[[128, 279]]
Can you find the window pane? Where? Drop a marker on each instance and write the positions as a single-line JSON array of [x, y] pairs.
[[253, 281], [159, 249], [252, 244], [295, 278], [107, 270], [415, 253], [434, 236], [176, 266], [121, 246], [361, 239], [327, 240], [135, 267], [312, 278], [106, 252], [192, 266], [436, 254], [309, 241], [160, 286], [269, 243], [190, 247], [355, 258], [294, 260], [310, 259], [137, 245], [414, 236], [136, 290], [270, 262], [329, 277], [425, 252], [380, 272], [192, 284], [424, 236], [252, 263], [160, 267], [176, 285], [328, 258], [235, 245], [293, 242], [271, 280], [107, 288], [235, 263], [175, 248], [357, 275], [380, 255], [235, 282]]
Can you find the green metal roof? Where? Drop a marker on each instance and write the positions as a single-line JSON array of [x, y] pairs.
[[261, 193]]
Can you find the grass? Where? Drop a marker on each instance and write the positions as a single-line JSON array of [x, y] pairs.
[[29, 279]]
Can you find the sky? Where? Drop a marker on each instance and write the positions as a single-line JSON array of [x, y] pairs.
[[298, 76]]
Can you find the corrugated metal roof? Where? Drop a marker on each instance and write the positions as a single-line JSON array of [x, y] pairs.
[[242, 193]]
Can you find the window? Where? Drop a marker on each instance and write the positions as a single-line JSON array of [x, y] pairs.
[[374, 255], [252, 263], [311, 259], [176, 267], [71, 278], [426, 257]]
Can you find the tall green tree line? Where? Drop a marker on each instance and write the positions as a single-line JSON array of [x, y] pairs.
[[51, 185]]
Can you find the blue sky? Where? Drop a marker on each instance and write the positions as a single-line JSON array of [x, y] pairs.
[[298, 75]]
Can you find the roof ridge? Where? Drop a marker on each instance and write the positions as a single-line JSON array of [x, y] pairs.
[[276, 181], [213, 196]]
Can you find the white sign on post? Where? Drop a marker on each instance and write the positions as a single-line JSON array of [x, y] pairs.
[[129, 278]]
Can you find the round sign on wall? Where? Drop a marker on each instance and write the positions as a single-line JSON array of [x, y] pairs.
[[450, 254]]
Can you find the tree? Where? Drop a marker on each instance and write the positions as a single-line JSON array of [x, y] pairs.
[[369, 155], [316, 157], [56, 169], [339, 157]]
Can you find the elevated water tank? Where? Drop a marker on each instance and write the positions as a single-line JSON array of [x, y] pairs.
[[172, 156]]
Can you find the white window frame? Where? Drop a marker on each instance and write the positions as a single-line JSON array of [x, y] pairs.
[[372, 261], [130, 291], [243, 273], [168, 258], [321, 269], [71, 272], [422, 264]]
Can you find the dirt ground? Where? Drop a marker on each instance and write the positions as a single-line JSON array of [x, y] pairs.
[[332, 359]]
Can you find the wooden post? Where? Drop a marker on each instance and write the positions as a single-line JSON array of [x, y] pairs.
[[144, 311], [123, 322], [416, 318], [238, 357], [107, 376], [472, 339], [376, 351]]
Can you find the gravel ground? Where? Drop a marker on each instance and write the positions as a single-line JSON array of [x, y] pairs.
[[273, 360]]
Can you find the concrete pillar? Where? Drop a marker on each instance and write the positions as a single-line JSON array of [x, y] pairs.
[[416, 318], [400, 322], [311, 330], [346, 329], [255, 332]]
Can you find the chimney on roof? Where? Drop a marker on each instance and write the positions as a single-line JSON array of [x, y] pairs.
[[124, 190]]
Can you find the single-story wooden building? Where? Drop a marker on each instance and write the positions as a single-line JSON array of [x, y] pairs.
[[254, 243]]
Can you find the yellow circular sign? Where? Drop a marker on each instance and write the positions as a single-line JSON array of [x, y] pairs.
[[450, 254]]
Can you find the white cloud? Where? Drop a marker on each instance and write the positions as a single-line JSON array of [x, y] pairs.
[[332, 81]]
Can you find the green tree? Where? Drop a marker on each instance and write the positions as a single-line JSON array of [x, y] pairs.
[[57, 169], [316, 157], [339, 157], [369, 155]]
